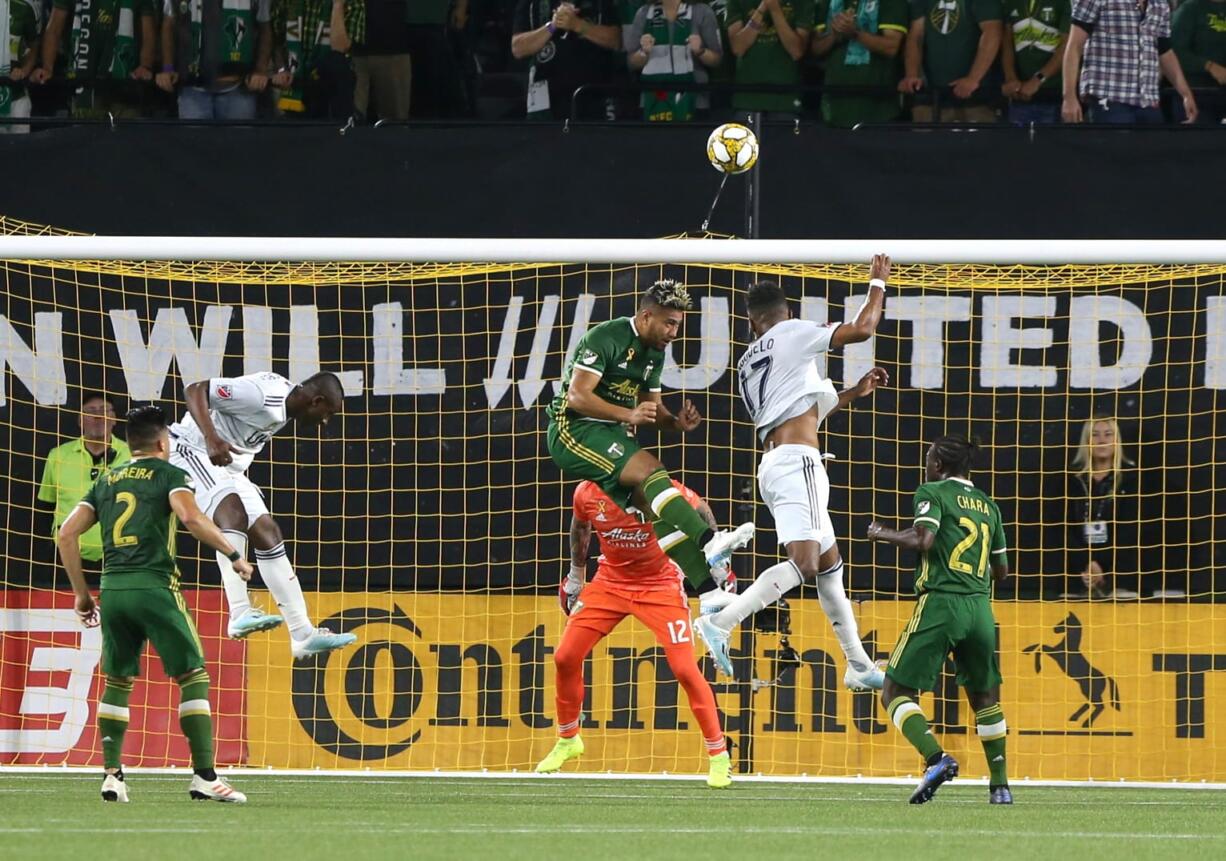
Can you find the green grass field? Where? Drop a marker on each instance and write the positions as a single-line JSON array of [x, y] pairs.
[[306, 817]]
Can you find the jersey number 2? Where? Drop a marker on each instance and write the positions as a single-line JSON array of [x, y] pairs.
[[765, 361], [128, 501], [975, 531]]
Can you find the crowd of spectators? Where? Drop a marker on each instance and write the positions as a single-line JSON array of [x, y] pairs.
[[845, 61]]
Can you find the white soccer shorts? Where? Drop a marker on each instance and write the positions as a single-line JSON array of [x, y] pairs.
[[796, 489], [215, 483]]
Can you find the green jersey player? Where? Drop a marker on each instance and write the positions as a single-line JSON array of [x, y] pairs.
[[611, 386], [958, 534], [137, 505]]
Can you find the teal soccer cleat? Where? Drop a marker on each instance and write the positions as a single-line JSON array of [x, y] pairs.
[[716, 640], [251, 621], [321, 640]]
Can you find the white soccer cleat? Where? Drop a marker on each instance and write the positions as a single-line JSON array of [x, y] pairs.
[[714, 601], [721, 545], [114, 789], [869, 680], [214, 790], [321, 640], [250, 621], [716, 640]]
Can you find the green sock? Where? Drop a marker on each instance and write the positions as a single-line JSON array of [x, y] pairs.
[[685, 553], [195, 717], [992, 733], [667, 503], [911, 722], [113, 720]]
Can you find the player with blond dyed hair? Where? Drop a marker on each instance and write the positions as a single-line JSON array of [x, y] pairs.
[[611, 386]]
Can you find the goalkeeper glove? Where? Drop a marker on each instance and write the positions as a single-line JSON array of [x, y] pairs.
[[570, 587]]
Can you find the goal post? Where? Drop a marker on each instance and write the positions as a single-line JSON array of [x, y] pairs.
[[429, 520]]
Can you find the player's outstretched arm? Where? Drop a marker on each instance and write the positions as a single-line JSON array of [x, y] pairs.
[[912, 538], [865, 325], [867, 385], [69, 542], [202, 526]]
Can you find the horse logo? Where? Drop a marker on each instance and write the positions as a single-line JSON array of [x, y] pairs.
[[1098, 688]]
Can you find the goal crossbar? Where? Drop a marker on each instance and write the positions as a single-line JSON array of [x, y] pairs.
[[613, 251]]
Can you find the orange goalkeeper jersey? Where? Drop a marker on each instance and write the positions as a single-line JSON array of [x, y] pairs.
[[630, 556]]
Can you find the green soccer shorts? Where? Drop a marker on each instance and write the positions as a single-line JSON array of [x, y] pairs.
[[132, 616], [595, 451], [944, 622]]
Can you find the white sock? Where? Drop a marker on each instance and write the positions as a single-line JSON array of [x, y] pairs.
[[236, 587], [764, 591], [837, 608], [278, 576]]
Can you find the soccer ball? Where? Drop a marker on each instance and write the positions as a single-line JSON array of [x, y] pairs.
[[732, 148]]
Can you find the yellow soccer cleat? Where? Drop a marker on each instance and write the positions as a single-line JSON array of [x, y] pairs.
[[565, 750], [720, 774]]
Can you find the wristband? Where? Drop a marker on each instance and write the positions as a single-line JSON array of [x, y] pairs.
[[753, 24], [168, 67], [1040, 77], [234, 556], [551, 27], [876, 282]]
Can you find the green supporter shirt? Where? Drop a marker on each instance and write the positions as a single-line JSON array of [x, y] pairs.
[[67, 476], [879, 71], [1198, 35], [624, 364], [104, 44], [951, 35], [767, 61], [132, 505], [24, 21], [1037, 27], [969, 536]]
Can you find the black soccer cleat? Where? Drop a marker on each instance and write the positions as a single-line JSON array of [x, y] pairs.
[[1000, 795], [945, 768]]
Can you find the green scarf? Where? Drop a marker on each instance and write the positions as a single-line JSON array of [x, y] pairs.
[[670, 62], [303, 27], [866, 20], [104, 39], [234, 49]]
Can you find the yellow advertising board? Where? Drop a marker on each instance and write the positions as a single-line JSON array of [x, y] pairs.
[[1092, 691]]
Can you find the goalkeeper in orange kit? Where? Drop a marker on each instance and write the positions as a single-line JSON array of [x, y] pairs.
[[634, 578]]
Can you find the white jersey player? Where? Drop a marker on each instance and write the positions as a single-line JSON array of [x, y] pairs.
[[228, 423], [788, 399]]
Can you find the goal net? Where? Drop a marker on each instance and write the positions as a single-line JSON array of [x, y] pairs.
[[429, 520]]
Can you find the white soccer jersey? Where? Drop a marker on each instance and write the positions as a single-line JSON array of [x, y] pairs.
[[779, 376], [246, 411]]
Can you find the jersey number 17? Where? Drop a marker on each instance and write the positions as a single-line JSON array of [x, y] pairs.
[[765, 363]]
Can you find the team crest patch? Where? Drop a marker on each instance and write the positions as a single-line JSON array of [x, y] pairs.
[[616, 450], [923, 507], [589, 357], [945, 16], [225, 392]]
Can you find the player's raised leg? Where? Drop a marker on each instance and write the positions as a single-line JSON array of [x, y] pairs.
[[278, 575], [232, 518]]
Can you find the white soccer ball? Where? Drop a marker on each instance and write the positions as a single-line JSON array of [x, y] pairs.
[[732, 148]]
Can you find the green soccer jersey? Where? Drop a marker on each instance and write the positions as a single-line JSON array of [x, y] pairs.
[[1198, 35], [1037, 26], [767, 61], [951, 35], [969, 535], [624, 364], [850, 64], [132, 504]]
